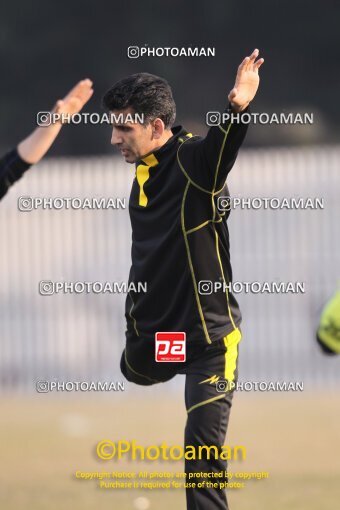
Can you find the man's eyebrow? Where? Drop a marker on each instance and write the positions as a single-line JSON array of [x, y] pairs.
[[120, 126]]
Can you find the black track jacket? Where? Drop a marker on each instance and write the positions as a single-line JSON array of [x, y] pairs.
[[179, 237]]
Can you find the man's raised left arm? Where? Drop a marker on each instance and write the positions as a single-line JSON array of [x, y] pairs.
[[212, 158]]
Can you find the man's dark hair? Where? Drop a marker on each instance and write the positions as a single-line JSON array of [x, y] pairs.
[[146, 94]]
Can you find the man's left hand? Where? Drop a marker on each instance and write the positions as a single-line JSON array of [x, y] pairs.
[[246, 83]]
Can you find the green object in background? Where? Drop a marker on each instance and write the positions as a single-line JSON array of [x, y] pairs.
[[328, 333]]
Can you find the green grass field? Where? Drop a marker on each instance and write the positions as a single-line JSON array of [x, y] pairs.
[[46, 439]]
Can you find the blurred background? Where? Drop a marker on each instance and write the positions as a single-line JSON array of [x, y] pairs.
[[44, 50]]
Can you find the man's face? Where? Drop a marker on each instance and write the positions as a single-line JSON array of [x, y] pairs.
[[132, 139]]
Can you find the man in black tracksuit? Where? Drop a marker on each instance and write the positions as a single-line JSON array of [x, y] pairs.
[[179, 239]]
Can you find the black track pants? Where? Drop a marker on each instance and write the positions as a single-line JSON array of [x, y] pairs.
[[208, 404]]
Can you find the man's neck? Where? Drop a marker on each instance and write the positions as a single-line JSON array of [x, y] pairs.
[[161, 141], [165, 137]]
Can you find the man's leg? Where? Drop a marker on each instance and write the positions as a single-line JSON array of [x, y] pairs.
[[208, 415], [138, 363]]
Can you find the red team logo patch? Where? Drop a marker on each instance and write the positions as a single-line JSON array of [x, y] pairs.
[[170, 347]]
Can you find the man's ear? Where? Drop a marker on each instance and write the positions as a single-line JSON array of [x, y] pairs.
[[158, 128]]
